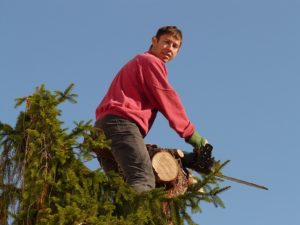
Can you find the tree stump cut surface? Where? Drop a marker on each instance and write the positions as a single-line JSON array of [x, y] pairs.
[[165, 166]]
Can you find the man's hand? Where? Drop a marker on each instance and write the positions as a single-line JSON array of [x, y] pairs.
[[200, 159], [196, 140]]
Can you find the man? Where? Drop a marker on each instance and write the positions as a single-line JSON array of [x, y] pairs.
[[127, 112]]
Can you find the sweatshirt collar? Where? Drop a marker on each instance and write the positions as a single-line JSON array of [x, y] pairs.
[[149, 52]]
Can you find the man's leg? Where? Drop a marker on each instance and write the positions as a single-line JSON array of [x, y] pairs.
[[129, 151], [108, 164]]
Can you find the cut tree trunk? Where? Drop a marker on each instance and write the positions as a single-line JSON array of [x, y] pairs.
[[168, 170], [165, 166]]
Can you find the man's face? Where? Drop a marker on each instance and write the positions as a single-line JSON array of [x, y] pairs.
[[166, 48]]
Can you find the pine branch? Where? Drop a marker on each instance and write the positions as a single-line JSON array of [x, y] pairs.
[[66, 95]]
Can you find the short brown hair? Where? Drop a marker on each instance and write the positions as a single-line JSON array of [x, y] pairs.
[[173, 30]]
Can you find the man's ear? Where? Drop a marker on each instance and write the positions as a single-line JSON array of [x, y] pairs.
[[154, 40]]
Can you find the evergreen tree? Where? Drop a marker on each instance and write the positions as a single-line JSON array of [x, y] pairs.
[[44, 180]]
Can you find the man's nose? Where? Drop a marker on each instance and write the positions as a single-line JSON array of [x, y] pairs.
[[170, 47]]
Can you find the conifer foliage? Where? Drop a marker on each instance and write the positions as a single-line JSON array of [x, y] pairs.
[[44, 179]]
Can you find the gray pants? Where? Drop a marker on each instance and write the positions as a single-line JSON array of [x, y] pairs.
[[129, 151]]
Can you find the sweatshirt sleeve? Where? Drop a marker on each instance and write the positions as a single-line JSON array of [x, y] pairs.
[[163, 96]]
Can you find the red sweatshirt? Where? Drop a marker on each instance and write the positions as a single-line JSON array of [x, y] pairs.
[[139, 90]]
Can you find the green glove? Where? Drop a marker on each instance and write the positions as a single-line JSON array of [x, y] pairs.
[[196, 140]]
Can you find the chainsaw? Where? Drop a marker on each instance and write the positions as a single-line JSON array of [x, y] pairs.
[[201, 161]]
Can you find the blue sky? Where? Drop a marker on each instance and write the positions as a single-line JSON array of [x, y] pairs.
[[238, 74]]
